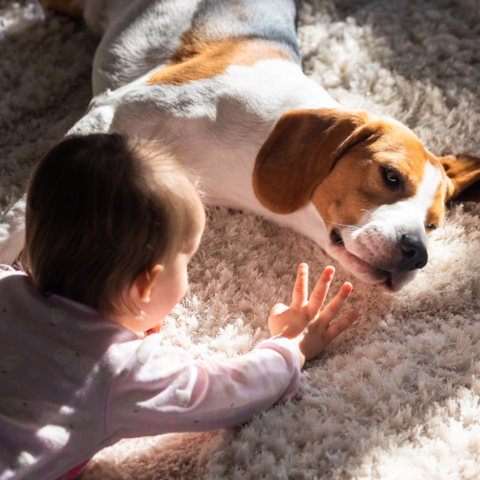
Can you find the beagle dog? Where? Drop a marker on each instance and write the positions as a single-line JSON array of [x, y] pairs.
[[220, 84]]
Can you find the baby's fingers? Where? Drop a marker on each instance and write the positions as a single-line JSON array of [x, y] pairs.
[[336, 304], [337, 328], [300, 290], [320, 292]]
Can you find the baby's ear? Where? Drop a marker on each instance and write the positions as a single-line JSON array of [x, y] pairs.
[[144, 282], [463, 172]]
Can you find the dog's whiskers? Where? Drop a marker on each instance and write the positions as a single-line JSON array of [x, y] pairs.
[[353, 227], [365, 210], [368, 236]]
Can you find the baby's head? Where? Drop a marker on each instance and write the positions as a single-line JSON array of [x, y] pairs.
[[104, 216]]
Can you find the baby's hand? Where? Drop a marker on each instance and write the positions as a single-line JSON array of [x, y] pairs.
[[152, 330], [291, 322]]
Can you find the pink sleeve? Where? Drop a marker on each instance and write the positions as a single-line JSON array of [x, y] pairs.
[[162, 389]]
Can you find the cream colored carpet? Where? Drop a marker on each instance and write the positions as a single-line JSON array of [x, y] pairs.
[[398, 396]]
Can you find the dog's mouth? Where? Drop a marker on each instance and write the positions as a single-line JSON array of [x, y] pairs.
[[378, 275], [336, 238], [388, 283]]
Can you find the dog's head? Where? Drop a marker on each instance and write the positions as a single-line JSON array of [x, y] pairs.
[[377, 189]]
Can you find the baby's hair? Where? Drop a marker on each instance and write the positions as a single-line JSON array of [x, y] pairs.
[[100, 211]]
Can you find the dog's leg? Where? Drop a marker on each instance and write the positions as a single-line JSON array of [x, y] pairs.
[[12, 232], [98, 118]]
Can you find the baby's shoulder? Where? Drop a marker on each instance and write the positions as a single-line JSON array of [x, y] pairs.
[[13, 281]]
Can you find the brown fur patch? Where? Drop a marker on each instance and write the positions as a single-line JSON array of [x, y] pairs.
[[335, 157], [299, 153], [199, 61], [436, 213], [356, 185]]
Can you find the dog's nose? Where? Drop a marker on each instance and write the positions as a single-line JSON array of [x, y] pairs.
[[414, 253]]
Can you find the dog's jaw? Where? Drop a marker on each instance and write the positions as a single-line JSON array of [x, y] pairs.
[[389, 280]]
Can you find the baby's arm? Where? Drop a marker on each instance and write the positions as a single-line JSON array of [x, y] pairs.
[[162, 389]]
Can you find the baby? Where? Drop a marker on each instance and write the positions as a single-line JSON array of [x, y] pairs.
[[110, 228]]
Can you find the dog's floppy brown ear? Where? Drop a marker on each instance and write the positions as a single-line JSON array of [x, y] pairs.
[[463, 172], [300, 152]]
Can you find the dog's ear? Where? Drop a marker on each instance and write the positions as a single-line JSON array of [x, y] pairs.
[[301, 151], [463, 177]]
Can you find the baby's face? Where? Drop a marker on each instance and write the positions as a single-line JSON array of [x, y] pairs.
[[167, 289], [170, 286]]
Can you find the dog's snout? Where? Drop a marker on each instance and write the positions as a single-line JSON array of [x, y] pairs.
[[414, 253]]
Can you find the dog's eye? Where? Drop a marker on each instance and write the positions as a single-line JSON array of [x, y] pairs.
[[431, 226], [391, 177]]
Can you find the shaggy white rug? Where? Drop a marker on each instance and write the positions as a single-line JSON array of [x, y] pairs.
[[398, 396]]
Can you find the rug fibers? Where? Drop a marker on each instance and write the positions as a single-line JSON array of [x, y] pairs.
[[398, 395]]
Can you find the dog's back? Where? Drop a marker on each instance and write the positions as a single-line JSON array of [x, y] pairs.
[[146, 34]]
